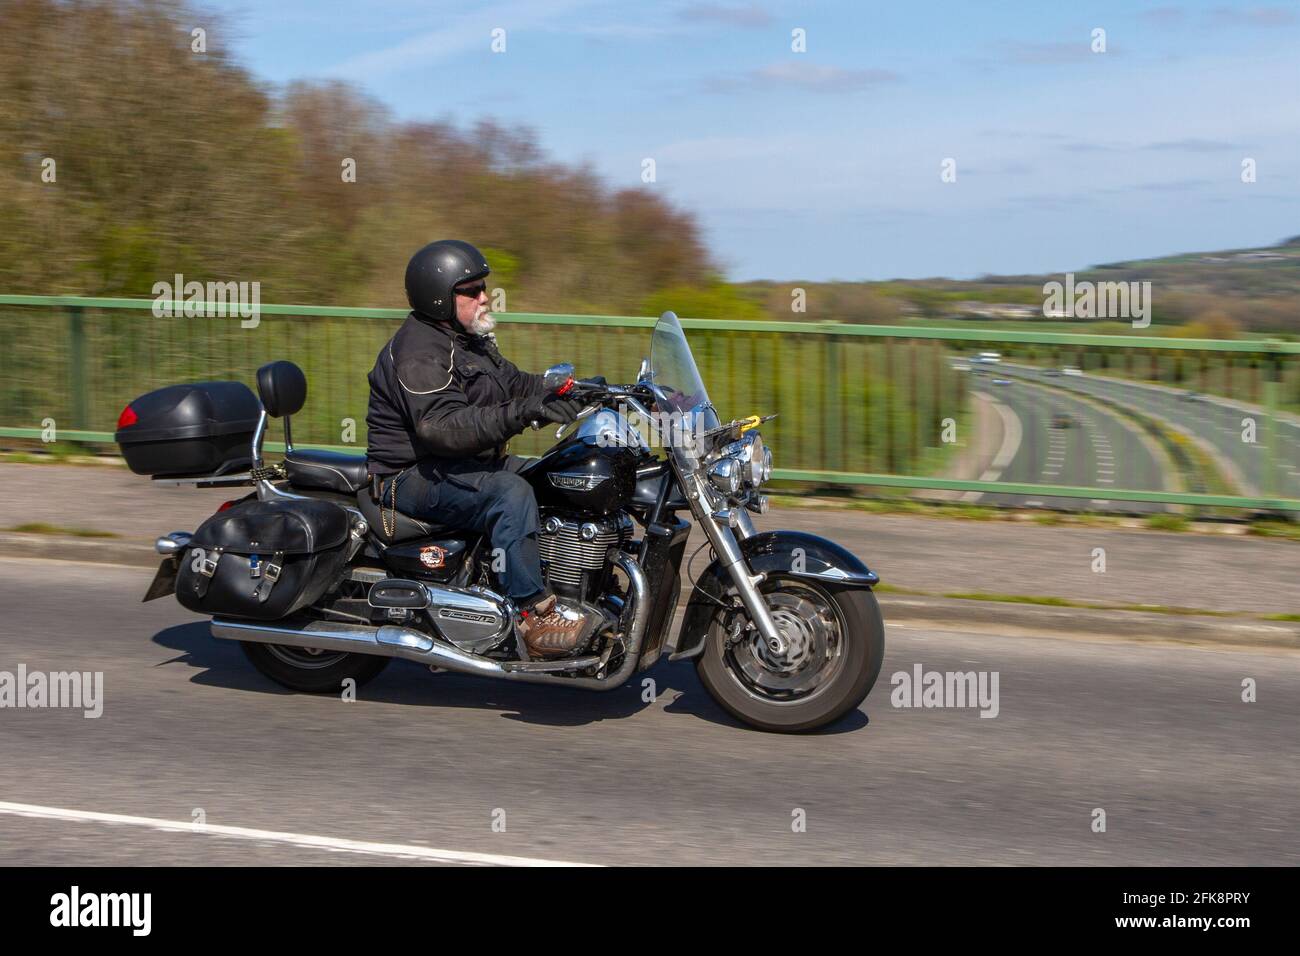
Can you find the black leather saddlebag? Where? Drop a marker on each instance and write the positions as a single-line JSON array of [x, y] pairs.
[[264, 560]]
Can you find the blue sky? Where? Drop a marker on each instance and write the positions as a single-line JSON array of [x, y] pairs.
[[826, 164]]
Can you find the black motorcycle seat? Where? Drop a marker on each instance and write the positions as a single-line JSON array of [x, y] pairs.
[[405, 527], [325, 470]]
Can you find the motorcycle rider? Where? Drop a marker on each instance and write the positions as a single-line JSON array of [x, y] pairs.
[[443, 403]]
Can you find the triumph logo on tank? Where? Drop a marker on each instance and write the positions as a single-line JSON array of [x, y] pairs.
[[74, 690], [74, 909], [193, 299], [958, 689]]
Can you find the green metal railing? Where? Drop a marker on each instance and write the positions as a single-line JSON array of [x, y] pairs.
[[879, 407]]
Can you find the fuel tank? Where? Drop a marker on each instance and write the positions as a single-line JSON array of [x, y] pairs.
[[581, 474]]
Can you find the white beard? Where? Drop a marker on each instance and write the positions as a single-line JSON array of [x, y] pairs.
[[483, 324]]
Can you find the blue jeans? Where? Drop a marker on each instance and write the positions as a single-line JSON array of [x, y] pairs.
[[488, 499]]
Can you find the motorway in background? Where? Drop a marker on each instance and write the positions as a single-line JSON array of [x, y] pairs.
[[1070, 441], [1216, 422], [1086, 441]]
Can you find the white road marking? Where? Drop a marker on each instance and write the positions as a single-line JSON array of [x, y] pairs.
[[295, 839], [1012, 432]]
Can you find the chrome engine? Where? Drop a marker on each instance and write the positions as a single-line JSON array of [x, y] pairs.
[[574, 550]]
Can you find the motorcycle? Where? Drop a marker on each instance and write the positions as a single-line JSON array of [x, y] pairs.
[[321, 584]]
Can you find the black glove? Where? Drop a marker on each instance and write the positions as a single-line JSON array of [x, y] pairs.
[[550, 408]]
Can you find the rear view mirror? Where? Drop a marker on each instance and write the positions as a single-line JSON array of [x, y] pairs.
[[555, 376]]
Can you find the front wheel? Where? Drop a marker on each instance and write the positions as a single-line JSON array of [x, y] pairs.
[[835, 641], [310, 670]]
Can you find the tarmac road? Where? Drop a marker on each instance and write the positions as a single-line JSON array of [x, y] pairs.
[[1157, 736]]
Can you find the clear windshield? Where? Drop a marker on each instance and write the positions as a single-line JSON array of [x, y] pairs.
[[672, 368]]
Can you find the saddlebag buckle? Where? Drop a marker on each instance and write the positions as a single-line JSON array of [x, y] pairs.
[[270, 574]]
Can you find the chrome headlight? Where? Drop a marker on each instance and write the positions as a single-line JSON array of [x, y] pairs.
[[755, 459], [725, 475]]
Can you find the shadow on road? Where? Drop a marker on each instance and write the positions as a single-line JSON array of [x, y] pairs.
[[223, 664]]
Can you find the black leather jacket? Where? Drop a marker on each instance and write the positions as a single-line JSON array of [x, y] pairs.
[[437, 391]]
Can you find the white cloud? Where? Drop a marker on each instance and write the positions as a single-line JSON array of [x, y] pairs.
[[468, 31]]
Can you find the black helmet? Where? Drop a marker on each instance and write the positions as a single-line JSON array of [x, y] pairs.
[[435, 270]]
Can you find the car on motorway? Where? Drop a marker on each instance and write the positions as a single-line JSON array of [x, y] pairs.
[[1193, 397], [1051, 373], [1064, 420], [1002, 381], [1071, 370]]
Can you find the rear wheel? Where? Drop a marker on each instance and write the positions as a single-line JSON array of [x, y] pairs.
[[835, 641], [310, 670]]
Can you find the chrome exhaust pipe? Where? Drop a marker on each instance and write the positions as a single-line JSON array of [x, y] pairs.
[[635, 615], [389, 640]]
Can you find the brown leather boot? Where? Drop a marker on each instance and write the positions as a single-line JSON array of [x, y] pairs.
[[550, 632]]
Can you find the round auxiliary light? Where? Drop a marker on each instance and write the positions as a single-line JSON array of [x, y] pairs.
[[725, 475]]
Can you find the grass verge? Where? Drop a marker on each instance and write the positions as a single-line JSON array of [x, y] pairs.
[[1088, 605], [41, 527]]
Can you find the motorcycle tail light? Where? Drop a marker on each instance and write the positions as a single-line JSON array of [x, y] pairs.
[[127, 418]]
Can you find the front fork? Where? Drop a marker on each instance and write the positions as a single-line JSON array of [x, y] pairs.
[[725, 529]]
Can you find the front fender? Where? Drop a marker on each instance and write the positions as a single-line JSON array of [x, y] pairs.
[[795, 553]]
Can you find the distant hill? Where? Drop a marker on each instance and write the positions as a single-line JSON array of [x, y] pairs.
[[1219, 294]]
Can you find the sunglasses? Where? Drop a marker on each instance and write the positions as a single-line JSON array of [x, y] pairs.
[[472, 291]]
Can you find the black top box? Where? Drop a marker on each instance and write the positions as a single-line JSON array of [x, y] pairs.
[[204, 428]]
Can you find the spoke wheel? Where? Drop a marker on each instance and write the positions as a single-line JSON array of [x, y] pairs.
[[834, 645], [813, 631]]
